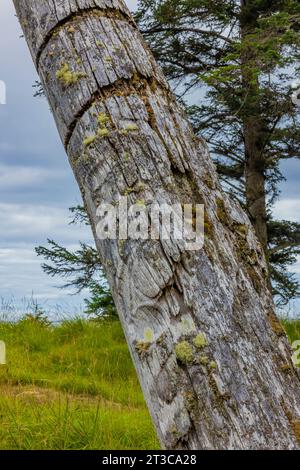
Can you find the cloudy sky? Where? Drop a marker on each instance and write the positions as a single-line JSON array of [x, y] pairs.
[[36, 184]]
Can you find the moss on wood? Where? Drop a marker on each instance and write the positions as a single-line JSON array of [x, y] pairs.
[[184, 352]]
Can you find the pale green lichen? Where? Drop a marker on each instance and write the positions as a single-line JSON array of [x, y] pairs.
[[148, 335], [143, 346], [99, 43], [102, 119], [103, 132], [128, 191], [184, 352], [131, 128], [89, 140], [200, 341], [203, 360], [67, 77], [212, 365], [140, 202]]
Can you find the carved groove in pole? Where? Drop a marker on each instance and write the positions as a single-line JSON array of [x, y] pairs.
[[98, 12]]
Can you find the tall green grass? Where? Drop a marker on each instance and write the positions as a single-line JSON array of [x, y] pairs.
[[77, 356], [29, 423], [71, 386], [292, 328]]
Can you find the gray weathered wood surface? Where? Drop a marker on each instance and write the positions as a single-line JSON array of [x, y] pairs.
[[240, 390]]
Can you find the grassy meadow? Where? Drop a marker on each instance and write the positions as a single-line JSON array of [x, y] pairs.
[[73, 386]]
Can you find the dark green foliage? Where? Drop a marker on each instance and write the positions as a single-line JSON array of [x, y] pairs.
[[100, 302], [284, 247], [77, 267]]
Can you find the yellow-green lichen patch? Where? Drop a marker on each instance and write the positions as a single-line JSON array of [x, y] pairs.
[[103, 132], [102, 119], [148, 335], [131, 128], [137, 188], [143, 346], [140, 202], [89, 140], [128, 191], [67, 77], [200, 341], [203, 360], [184, 352], [213, 365]]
